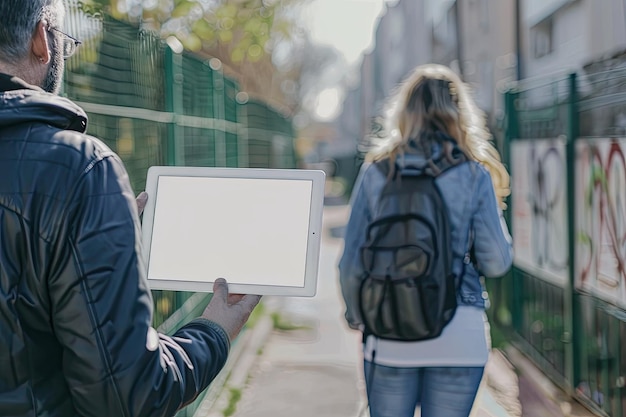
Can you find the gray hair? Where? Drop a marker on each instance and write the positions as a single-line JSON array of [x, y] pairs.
[[18, 20]]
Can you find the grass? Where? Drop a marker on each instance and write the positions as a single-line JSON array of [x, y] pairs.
[[255, 316], [284, 325], [235, 396]]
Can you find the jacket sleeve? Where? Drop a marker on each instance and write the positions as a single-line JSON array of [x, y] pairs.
[[493, 248], [350, 269], [114, 362]]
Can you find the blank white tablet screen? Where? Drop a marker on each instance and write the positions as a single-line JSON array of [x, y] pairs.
[[248, 231]]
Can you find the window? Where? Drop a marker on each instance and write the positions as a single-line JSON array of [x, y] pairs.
[[542, 38]]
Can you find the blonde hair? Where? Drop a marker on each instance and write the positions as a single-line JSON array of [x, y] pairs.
[[433, 98]]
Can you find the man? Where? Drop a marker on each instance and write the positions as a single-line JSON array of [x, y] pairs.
[[75, 308]]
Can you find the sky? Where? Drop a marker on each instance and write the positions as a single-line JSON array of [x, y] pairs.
[[349, 26]]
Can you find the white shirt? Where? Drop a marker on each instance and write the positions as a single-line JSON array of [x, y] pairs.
[[465, 341]]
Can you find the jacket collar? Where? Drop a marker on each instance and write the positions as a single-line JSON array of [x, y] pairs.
[[414, 159], [8, 83], [21, 102]]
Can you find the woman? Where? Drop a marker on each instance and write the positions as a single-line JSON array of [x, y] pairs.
[[432, 116]]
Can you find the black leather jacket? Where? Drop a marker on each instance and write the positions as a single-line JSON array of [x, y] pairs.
[[75, 308]]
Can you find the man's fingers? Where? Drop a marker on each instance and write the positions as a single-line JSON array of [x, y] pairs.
[[249, 301], [239, 299], [245, 301], [220, 289], [142, 200], [234, 298]]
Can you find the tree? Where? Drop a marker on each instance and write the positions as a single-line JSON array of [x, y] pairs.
[[243, 34]]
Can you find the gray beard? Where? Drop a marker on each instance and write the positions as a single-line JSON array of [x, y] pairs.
[[54, 77]]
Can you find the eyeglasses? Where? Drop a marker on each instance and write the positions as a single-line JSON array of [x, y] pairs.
[[70, 43]]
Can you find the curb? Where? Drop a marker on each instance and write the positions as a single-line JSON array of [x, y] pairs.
[[241, 359], [502, 383], [541, 384]]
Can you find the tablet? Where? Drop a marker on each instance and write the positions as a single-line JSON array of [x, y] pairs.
[[260, 229]]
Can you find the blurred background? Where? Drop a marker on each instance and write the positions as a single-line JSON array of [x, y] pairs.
[[302, 83]]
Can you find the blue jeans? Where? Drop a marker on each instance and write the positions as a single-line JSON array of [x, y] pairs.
[[441, 392]]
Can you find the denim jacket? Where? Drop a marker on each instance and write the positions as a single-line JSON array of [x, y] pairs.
[[475, 219]]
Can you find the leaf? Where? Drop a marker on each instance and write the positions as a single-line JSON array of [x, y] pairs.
[[227, 23], [245, 42], [182, 9], [238, 55], [255, 52], [225, 36], [203, 29], [192, 42], [227, 10], [252, 25]]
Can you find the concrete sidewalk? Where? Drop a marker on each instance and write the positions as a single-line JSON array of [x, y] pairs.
[[316, 369]]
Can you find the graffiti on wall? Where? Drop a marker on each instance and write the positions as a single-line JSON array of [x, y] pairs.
[[539, 223], [601, 218]]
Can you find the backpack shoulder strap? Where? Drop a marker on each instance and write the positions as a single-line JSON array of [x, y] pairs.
[[442, 163], [433, 167]]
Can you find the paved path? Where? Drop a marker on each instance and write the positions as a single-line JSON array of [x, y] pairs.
[[317, 370]]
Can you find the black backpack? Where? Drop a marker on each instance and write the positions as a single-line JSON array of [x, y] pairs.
[[408, 291]]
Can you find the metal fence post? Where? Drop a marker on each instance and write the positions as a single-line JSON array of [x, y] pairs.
[[243, 148], [572, 334], [513, 285], [174, 104], [175, 137], [217, 78]]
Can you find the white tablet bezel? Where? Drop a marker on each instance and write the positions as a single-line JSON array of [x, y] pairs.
[[317, 179]]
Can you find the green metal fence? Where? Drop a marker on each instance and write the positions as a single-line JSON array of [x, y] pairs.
[[566, 140], [154, 106]]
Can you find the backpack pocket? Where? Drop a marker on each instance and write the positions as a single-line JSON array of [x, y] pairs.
[[409, 309], [402, 262]]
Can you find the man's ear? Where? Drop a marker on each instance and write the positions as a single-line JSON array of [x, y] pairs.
[[40, 48]]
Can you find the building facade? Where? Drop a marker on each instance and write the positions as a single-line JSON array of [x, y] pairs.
[[567, 35]]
